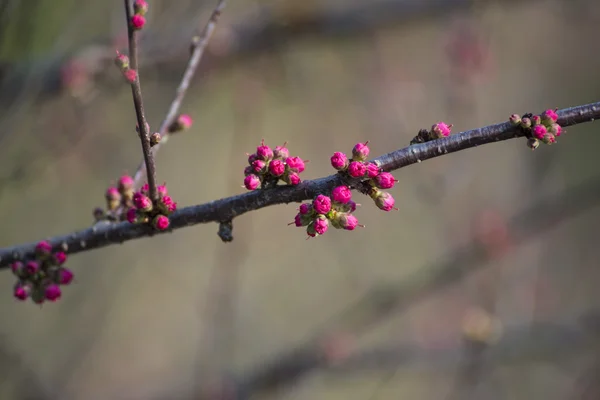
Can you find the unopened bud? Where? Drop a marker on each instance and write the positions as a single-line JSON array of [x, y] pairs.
[[155, 139], [533, 143]]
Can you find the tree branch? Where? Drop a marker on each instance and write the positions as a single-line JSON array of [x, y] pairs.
[[226, 209], [198, 46], [136, 91]]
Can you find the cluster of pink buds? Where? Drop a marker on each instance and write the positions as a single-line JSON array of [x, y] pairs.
[[269, 166], [324, 211], [140, 8], [543, 127], [144, 210], [40, 279], [358, 167], [119, 199], [437, 131]]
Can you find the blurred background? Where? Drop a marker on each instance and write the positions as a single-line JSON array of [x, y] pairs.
[[484, 285]]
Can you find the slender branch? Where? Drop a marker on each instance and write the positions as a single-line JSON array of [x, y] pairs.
[[198, 46], [226, 209], [136, 91]]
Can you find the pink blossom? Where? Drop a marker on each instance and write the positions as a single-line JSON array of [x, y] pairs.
[[384, 201], [348, 222], [281, 152], [145, 189], [298, 221], [138, 21], [292, 178], [21, 292], [357, 169], [32, 267], [161, 222], [322, 204], [539, 131], [258, 166], [440, 130], [112, 194], [295, 164], [305, 208], [252, 182], [53, 292], [132, 215], [60, 257], [372, 170], [550, 115], [360, 152], [168, 205], [385, 180], [321, 225], [65, 276], [43, 247], [339, 161], [276, 167], [264, 152], [341, 194]]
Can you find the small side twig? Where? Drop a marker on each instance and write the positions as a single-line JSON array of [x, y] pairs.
[[199, 44], [136, 91]]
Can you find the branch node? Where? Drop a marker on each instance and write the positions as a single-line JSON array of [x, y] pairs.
[[226, 231]]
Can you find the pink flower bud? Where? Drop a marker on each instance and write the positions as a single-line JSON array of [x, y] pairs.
[[536, 120], [53, 292], [112, 194], [276, 167], [292, 178], [141, 202], [549, 116], [383, 200], [385, 180], [341, 194], [122, 61], [321, 224], [125, 184], [281, 152], [248, 170], [32, 267], [305, 208], [295, 164], [162, 190], [515, 119], [21, 292], [533, 143], [258, 166], [264, 152], [60, 258], [132, 215], [440, 130], [140, 7], [348, 221], [539, 131], [155, 139], [65, 276], [18, 269], [160, 222], [360, 152], [130, 75], [526, 123], [138, 21], [298, 220], [252, 182], [339, 161], [372, 170], [43, 248], [322, 204], [555, 129], [251, 158], [181, 123], [145, 189], [357, 169], [549, 138]]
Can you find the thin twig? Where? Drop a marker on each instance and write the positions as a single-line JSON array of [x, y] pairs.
[[136, 91], [198, 46], [228, 208]]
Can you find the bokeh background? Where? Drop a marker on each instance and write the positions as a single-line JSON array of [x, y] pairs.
[[484, 285]]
